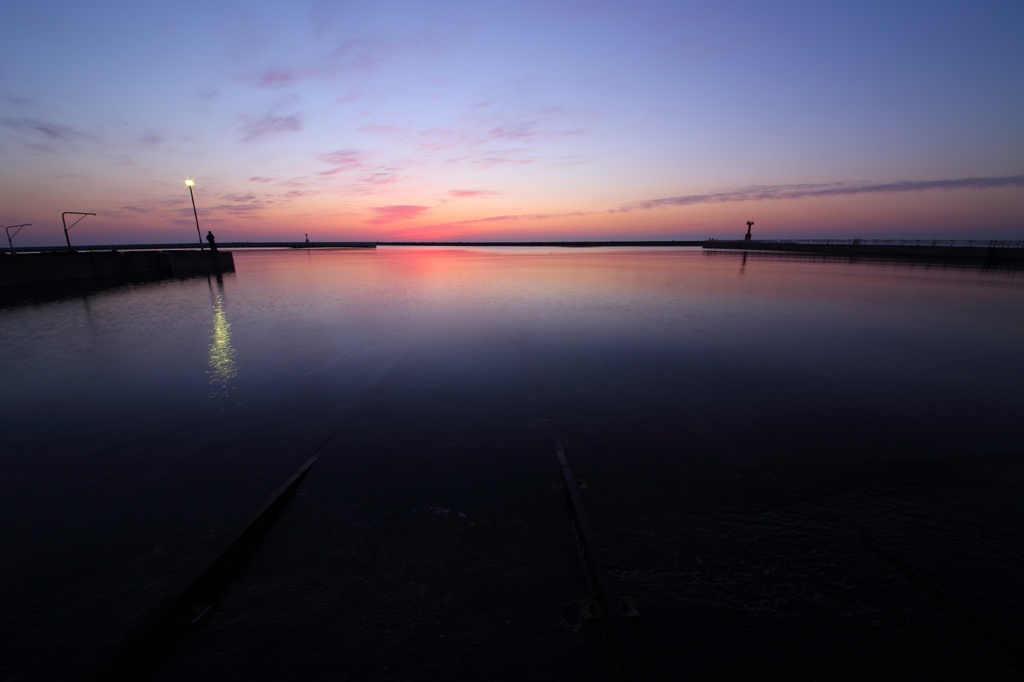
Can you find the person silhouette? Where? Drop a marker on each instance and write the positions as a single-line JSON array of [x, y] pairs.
[[213, 241]]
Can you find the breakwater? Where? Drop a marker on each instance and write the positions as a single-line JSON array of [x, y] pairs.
[[175, 246], [109, 267], [966, 251]]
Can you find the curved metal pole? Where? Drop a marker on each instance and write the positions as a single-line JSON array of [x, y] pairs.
[[9, 235], [68, 227]]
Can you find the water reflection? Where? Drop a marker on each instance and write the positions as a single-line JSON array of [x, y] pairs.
[[223, 367], [742, 433]]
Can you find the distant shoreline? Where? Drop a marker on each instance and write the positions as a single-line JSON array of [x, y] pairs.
[[568, 244], [943, 248]]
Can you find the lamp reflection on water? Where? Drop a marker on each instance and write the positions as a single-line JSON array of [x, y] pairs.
[[222, 354]]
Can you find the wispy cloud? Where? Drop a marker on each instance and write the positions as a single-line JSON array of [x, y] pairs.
[[48, 136], [259, 127], [430, 139], [355, 55], [530, 130], [277, 78], [258, 178], [150, 140], [47, 129], [534, 216], [494, 157], [512, 218], [238, 197], [384, 129], [165, 207], [17, 101], [241, 205], [390, 214], [810, 190], [365, 178], [377, 177], [342, 160], [750, 193], [517, 130], [485, 132], [471, 193]]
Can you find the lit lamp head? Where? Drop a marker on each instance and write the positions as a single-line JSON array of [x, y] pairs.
[[190, 182]]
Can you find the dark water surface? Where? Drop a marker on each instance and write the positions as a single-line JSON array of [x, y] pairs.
[[795, 467]]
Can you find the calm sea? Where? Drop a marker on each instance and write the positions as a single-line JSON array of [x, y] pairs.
[[791, 466]]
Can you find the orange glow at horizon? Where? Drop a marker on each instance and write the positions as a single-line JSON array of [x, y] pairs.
[[933, 213]]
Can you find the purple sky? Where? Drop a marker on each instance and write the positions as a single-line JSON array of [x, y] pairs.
[[512, 120]]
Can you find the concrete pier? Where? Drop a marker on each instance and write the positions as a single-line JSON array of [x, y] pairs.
[[973, 251], [191, 246], [99, 268]]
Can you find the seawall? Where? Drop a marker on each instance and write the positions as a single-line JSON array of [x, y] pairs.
[[977, 252], [99, 268]]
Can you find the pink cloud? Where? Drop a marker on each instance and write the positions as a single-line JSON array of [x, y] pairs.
[[240, 208], [293, 182], [277, 78], [390, 214], [471, 193], [494, 160], [297, 193], [384, 129], [502, 219], [240, 197], [342, 160]]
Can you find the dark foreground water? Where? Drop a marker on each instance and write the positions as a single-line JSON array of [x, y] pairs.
[[814, 469]]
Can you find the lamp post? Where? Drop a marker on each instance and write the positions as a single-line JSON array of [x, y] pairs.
[[64, 219], [191, 182], [9, 235]]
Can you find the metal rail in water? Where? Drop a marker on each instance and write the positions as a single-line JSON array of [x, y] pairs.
[[144, 649], [610, 609]]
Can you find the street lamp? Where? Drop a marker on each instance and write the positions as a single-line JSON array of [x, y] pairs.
[[9, 235], [64, 219], [191, 182]]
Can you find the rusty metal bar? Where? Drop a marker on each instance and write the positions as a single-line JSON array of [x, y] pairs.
[[153, 640], [612, 610]]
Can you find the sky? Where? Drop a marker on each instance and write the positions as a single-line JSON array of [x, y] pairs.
[[395, 120]]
